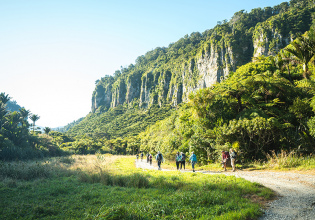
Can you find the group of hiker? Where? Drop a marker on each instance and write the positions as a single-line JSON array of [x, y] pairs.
[[180, 159], [149, 157], [229, 157]]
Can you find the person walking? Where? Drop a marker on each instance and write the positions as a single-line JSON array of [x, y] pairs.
[[225, 158], [150, 159], [193, 160], [177, 160], [182, 161], [159, 159], [233, 156], [141, 156]]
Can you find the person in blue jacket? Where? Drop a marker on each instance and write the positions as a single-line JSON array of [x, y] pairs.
[[159, 158], [193, 160]]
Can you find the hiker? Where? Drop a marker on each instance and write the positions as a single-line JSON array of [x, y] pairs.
[[233, 156], [193, 160], [137, 156], [182, 162], [159, 158], [150, 159], [177, 160], [225, 158], [141, 156]]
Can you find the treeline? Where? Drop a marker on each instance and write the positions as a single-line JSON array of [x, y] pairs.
[[17, 140]]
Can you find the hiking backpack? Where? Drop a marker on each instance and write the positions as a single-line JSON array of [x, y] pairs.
[[183, 157], [159, 157]]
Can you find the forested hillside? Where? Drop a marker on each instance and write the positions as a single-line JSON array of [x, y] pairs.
[[237, 86]]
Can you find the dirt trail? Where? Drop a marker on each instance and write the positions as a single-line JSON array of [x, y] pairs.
[[296, 192]]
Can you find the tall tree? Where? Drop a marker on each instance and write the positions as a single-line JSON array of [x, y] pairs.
[[47, 130], [34, 118], [303, 51], [4, 98]]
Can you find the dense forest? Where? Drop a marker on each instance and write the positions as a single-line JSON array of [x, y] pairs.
[[248, 83]]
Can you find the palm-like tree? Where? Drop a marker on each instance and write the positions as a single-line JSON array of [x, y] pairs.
[[34, 118], [303, 50], [24, 114], [3, 110], [4, 98], [47, 130]]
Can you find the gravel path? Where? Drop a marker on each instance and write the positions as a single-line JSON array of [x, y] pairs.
[[296, 192]]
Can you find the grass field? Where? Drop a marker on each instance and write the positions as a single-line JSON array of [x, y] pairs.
[[110, 187]]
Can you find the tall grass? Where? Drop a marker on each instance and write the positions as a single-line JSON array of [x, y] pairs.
[[30, 170], [291, 159]]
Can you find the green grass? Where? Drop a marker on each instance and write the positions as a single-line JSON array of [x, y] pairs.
[[112, 188]]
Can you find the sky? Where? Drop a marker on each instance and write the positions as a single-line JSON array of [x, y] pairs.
[[53, 51]]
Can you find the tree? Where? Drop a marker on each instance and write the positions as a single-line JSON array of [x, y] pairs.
[[34, 118], [303, 50], [3, 112], [4, 98], [47, 130]]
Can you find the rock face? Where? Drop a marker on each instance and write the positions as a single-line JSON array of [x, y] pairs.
[[102, 97], [270, 45], [168, 86]]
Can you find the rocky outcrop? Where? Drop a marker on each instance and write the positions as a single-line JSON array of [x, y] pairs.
[[133, 86], [102, 97], [119, 91], [170, 86], [270, 43]]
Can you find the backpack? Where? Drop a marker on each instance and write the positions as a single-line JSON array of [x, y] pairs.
[[183, 157], [159, 157], [233, 155], [150, 157], [227, 155]]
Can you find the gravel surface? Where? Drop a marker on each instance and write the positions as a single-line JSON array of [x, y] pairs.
[[296, 192]]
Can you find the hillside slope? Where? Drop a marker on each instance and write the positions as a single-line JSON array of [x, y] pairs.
[[166, 76]]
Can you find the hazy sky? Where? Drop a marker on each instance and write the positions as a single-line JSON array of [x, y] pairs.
[[53, 51]]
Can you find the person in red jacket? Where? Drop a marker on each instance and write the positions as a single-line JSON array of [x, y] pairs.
[[225, 158]]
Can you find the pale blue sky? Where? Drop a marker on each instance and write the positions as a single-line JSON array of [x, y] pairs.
[[53, 51]]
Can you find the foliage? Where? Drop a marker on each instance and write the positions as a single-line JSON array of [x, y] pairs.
[[261, 107], [16, 142], [70, 125], [114, 131]]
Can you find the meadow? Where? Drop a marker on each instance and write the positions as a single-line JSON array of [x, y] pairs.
[[110, 187]]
